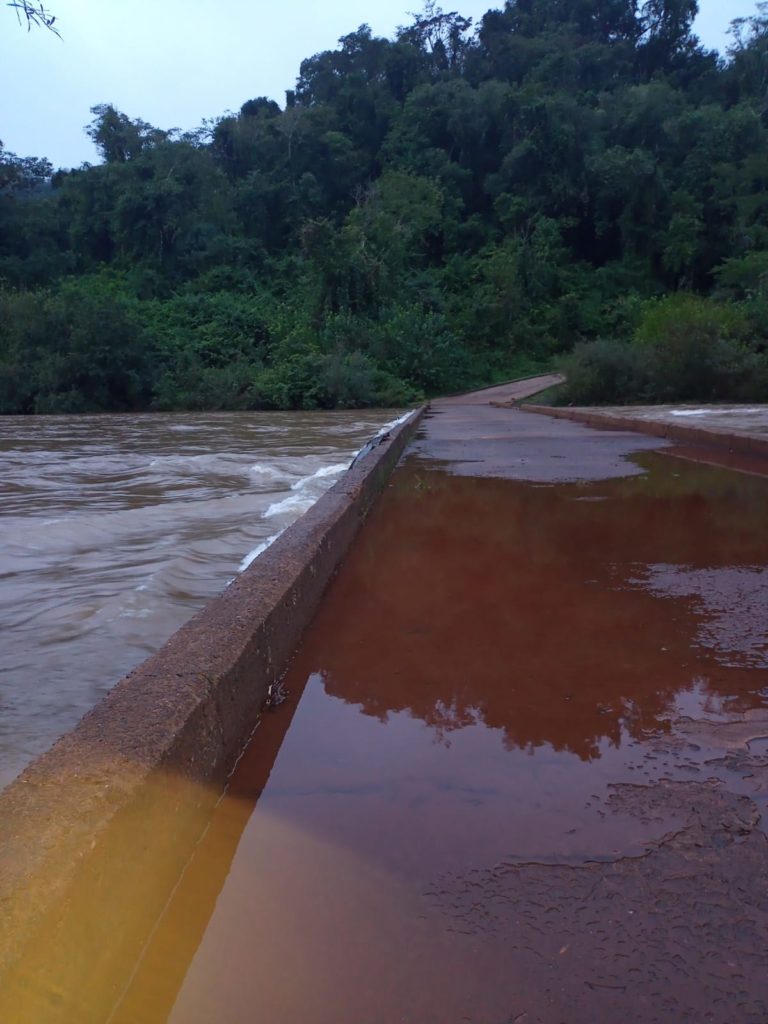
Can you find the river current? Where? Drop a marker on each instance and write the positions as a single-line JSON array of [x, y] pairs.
[[114, 530]]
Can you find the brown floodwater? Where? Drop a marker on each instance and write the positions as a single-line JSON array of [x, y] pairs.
[[115, 529], [497, 791]]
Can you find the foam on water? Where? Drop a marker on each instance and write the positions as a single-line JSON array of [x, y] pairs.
[[253, 555], [201, 463], [307, 487], [116, 529], [295, 503], [320, 474], [267, 470], [394, 423], [714, 411]]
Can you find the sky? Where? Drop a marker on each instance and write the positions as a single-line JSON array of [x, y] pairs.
[[177, 62]]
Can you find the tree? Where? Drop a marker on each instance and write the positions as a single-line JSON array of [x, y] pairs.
[[748, 68], [440, 36], [118, 138], [429, 211], [34, 14], [666, 33], [22, 174]]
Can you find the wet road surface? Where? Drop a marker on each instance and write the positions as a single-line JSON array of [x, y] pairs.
[[741, 421], [522, 772]]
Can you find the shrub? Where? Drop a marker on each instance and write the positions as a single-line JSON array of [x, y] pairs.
[[695, 348], [190, 385], [419, 348], [686, 348], [347, 380], [603, 372], [217, 329]]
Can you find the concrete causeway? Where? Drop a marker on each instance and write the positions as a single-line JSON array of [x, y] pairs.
[[525, 770], [520, 773]]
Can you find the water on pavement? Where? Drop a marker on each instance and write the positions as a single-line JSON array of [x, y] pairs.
[[521, 770]]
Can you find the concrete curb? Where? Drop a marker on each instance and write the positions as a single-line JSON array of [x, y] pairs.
[[152, 757], [742, 443]]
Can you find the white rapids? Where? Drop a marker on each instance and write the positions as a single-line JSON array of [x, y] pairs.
[[114, 530]]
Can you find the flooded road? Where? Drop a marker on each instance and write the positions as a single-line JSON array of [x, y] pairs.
[[115, 529], [521, 775]]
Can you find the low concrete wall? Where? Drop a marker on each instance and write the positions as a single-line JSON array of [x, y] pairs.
[[94, 834], [742, 443]]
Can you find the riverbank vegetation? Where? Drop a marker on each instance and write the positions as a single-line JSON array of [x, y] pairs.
[[570, 182]]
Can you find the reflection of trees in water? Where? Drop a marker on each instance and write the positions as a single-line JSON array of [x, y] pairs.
[[582, 734], [485, 601]]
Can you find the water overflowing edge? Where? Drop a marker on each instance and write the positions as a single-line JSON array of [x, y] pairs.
[[297, 500], [184, 714]]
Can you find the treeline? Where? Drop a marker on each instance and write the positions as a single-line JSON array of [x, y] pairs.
[[572, 180]]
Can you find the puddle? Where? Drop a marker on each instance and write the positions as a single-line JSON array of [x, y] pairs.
[[484, 768], [758, 746], [734, 607]]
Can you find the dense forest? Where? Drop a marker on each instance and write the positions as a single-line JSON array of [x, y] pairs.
[[571, 182]]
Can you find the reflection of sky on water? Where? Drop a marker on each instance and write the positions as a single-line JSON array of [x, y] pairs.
[[732, 603]]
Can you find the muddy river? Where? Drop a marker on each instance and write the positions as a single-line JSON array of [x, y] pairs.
[[115, 529]]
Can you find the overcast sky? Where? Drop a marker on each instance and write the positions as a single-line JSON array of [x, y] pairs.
[[176, 62]]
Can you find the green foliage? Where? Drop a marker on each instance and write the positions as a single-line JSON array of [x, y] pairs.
[[686, 348], [83, 348], [696, 347], [426, 213], [603, 371], [420, 349], [117, 137]]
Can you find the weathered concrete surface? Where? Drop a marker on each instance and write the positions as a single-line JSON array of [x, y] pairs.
[[485, 434], [94, 834], [735, 428], [676, 935], [679, 933], [503, 394]]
